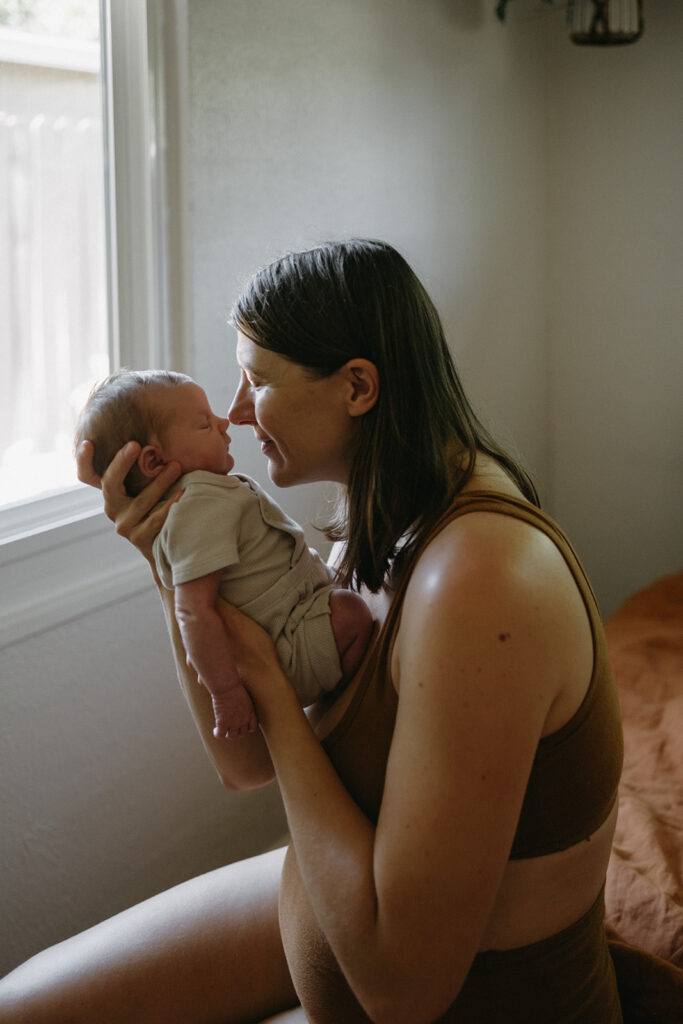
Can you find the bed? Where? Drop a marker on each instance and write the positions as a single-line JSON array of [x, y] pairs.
[[644, 890]]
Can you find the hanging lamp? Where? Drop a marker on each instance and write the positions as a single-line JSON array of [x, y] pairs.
[[606, 22], [597, 22]]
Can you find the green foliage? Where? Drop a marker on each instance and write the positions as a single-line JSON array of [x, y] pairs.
[[70, 19]]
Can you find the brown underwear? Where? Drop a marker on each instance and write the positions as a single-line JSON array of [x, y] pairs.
[[521, 986]]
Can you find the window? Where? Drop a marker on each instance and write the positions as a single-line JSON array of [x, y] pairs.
[[53, 289], [58, 554]]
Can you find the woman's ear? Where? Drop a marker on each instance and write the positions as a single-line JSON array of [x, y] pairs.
[[363, 385], [150, 461]]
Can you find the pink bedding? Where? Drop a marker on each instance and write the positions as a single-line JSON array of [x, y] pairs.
[[644, 891]]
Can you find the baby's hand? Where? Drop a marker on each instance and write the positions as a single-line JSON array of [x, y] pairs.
[[233, 713]]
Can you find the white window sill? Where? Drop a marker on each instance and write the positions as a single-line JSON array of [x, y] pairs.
[[60, 558], [52, 574]]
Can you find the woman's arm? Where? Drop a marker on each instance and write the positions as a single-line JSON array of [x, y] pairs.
[[404, 905], [243, 763]]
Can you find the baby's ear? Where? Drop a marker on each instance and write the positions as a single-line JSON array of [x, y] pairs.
[[150, 461]]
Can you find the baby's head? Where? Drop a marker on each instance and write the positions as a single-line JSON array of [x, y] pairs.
[[167, 413]]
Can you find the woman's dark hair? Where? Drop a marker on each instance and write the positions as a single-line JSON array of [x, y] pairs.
[[343, 300]]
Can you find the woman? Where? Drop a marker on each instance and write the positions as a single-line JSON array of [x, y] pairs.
[[452, 810]]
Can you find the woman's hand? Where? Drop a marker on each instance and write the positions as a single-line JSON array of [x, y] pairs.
[[137, 519], [256, 659]]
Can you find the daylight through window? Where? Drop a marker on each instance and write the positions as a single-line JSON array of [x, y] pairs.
[[53, 280]]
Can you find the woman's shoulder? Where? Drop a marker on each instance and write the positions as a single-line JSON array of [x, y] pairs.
[[486, 556], [494, 580], [490, 528], [496, 556], [491, 533]]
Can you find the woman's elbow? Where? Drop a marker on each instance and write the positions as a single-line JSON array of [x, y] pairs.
[[414, 999], [239, 784], [393, 1010], [242, 762], [237, 779]]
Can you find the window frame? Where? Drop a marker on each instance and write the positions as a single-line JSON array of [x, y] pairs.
[[59, 556]]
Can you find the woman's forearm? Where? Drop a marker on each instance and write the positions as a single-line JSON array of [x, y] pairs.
[[242, 763], [334, 844]]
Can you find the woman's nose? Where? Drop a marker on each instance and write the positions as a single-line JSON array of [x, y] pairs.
[[241, 411]]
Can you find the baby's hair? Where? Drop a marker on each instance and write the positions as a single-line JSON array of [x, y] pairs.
[[122, 408]]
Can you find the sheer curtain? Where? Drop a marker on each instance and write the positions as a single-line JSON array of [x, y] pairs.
[[53, 322]]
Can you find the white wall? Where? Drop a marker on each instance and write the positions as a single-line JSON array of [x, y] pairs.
[[615, 301], [106, 796]]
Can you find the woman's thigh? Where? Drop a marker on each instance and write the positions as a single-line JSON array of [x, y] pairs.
[[208, 950]]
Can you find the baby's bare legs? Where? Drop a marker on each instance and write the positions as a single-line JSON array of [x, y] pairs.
[[207, 950], [352, 628]]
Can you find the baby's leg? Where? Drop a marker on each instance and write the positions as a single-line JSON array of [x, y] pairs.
[[352, 628]]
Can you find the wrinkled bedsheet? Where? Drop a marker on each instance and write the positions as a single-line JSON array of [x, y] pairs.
[[644, 891]]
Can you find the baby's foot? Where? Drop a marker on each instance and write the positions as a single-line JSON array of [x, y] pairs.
[[234, 713]]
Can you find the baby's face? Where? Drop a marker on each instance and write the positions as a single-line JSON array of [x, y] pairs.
[[194, 435]]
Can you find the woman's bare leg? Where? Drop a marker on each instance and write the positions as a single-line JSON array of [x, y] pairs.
[[205, 952]]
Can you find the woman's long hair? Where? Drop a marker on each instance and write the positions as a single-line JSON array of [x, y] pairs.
[[343, 300]]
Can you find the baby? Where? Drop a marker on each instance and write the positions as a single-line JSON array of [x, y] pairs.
[[226, 536]]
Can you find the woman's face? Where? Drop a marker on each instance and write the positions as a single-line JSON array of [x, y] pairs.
[[303, 423]]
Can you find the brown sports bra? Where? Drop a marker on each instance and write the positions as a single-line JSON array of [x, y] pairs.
[[573, 782]]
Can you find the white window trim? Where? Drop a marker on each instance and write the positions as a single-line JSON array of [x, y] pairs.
[[59, 555]]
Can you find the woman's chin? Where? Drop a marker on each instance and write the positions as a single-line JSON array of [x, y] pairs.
[[279, 474], [277, 477]]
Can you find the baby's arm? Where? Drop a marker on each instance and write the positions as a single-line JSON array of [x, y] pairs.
[[208, 651]]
